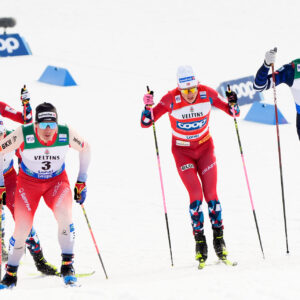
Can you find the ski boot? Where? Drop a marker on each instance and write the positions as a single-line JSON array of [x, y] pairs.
[[67, 270], [42, 265], [34, 247], [10, 278], [4, 252], [219, 244], [201, 249]]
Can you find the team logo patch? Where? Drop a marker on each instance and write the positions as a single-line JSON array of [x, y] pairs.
[[177, 99], [203, 95], [182, 143], [298, 68], [30, 139], [62, 137], [186, 167], [188, 126], [11, 110], [185, 79], [47, 114]]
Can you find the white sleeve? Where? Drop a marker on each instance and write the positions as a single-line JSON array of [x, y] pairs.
[[78, 143], [12, 142]]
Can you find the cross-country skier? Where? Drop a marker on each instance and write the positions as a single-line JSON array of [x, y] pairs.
[[288, 74], [189, 106], [10, 178], [43, 148]]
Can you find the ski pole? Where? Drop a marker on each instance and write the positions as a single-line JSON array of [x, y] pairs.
[[246, 176], [279, 155], [97, 249], [161, 179]]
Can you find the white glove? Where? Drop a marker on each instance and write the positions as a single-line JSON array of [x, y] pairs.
[[270, 57]]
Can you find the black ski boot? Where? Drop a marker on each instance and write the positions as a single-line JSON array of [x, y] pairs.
[[67, 270], [219, 243], [42, 265], [201, 247], [10, 278]]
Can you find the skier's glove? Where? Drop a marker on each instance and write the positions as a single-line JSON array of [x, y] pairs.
[[3, 195], [232, 102], [270, 57], [25, 97], [80, 192], [148, 99]]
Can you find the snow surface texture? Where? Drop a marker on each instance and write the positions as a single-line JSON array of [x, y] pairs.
[[113, 49]]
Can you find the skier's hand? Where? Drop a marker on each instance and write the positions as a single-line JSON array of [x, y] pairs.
[[25, 96], [80, 192], [270, 57], [232, 103], [3, 195], [231, 97], [148, 99]]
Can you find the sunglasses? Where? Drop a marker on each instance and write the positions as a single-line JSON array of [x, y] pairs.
[[187, 91], [44, 125]]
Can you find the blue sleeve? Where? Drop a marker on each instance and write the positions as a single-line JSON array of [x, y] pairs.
[[263, 81]]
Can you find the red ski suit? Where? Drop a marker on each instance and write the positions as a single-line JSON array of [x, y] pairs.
[[192, 146]]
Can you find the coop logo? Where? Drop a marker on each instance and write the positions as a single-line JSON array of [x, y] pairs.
[[191, 125], [243, 88], [13, 45], [9, 45]]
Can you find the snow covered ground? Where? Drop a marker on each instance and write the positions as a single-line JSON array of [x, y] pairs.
[[114, 49]]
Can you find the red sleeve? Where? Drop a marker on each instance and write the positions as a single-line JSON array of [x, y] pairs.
[[10, 113], [218, 101], [163, 106], [160, 109]]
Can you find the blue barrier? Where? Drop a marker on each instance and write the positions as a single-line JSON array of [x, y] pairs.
[[243, 88], [13, 45], [57, 76], [264, 113]]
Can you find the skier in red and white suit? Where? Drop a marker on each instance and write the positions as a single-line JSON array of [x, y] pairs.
[[189, 107], [10, 178], [44, 145]]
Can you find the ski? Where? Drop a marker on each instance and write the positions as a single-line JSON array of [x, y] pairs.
[[201, 265], [78, 275], [226, 262]]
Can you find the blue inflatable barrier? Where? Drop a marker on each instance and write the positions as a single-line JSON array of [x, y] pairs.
[[57, 76], [264, 113]]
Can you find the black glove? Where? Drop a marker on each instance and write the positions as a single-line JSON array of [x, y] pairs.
[[25, 96], [3, 195], [232, 98]]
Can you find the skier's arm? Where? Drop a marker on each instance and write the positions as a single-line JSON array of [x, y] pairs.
[[10, 113], [160, 109], [78, 143], [263, 81], [220, 102], [12, 142]]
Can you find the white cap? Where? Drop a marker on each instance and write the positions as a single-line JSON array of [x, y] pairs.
[[186, 77]]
